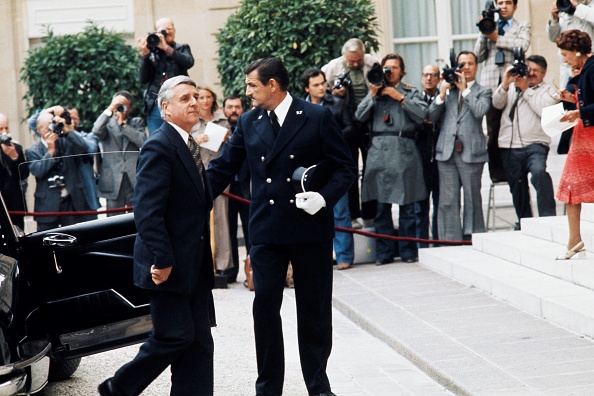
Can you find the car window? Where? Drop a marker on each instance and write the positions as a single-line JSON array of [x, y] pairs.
[[64, 190]]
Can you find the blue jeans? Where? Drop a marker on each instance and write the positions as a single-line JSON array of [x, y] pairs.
[[406, 227], [344, 246], [153, 119], [517, 163]]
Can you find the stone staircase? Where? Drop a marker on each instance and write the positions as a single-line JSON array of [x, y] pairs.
[[520, 268]]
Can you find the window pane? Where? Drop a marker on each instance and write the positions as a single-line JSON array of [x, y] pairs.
[[465, 15], [464, 45], [415, 57], [413, 18]]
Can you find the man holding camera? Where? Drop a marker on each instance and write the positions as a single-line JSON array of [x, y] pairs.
[[524, 146], [162, 58], [58, 185], [461, 151], [394, 169], [494, 48], [346, 79], [12, 175], [567, 15], [121, 138]]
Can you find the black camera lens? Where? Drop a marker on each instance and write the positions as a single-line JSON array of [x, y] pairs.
[[152, 41], [565, 6], [121, 108], [375, 75]]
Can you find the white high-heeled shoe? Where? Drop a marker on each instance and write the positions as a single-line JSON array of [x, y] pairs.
[[577, 249]]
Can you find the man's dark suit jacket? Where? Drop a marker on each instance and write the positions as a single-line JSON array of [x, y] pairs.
[[171, 211], [309, 135]]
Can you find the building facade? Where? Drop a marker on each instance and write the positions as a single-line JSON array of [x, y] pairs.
[[422, 31]]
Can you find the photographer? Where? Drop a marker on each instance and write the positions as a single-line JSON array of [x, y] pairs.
[[118, 133], [394, 170], [461, 151], [495, 51], [346, 79], [524, 146], [58, 185], [165, 60], [12, 176], [575, 15]]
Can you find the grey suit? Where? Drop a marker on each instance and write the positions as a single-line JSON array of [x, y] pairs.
[[461, 169], [43, 166], [118, 169]]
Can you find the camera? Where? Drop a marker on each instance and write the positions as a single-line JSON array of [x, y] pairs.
[[377, 75], [152, 40], [565, 6], [519, 64], [487, 25], [58, 127], [56, 181], [343, 80], [449, 73], [5, 139], [121, 109]]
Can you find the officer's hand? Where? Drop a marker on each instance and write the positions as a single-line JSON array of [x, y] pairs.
[[310, 201]]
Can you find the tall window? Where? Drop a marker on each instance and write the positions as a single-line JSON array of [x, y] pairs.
[[425, 30]]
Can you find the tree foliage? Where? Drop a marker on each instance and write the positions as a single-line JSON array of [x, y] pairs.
[[83, 70], [303, 34]]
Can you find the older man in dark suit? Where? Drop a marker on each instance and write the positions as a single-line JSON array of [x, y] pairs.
[[172, 255], [280, 135]]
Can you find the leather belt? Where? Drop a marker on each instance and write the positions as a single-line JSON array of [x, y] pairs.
[[404, 134]]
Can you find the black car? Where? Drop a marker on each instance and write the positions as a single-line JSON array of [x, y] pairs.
[[64, 294]]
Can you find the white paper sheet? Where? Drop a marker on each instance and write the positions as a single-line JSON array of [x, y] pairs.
[[550, 120], [216, 135]]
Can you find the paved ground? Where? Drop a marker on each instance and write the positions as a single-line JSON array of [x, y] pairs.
[[360, 364]]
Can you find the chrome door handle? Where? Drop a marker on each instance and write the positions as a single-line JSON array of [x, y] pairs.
[[59, 240]]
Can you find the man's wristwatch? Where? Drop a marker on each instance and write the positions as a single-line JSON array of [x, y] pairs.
[[108, 112]]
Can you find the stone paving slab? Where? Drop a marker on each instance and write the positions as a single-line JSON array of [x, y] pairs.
[[466, 340]]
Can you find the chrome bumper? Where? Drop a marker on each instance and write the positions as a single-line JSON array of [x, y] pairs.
[[26, 376]]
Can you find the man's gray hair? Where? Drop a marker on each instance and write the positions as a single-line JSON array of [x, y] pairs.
[[168, 85], [353, 45]]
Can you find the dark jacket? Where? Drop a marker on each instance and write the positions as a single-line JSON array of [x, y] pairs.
[[585, 92], [171, 211], [309, 135], [341, 115], [157, 67]]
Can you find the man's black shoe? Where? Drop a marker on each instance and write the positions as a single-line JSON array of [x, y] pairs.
[[107, 388]]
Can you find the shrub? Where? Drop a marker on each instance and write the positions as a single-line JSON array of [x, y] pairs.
[[83, 70], [303, 34]]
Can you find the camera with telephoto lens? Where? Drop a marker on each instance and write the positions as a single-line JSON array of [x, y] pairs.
[[56, 181], [449, 73], [58, 127], [5, 139], [343, 80], [377, 75], [519, 64], [153, 40], [487, 25], [565, 6]]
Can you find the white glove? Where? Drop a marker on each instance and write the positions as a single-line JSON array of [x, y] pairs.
[[310, 201]]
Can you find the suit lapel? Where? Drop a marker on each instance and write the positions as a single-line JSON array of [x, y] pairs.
[[187, 160], [291, 126], [263, 128]]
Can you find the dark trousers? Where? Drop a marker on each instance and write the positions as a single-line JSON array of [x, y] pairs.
[[495, 163], [66, 205], [518, 162], [384, 224], [365, 210], [125, 196], [431, 176], [181, 338], [241, 189], [312, 273]]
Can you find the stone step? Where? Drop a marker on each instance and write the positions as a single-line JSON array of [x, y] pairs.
[[556, 229], [536, 254], [563, 303]]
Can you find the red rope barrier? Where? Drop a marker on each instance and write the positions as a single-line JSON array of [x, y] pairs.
[[371, 234]]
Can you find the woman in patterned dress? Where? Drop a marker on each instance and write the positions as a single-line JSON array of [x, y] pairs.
[[577, 180]]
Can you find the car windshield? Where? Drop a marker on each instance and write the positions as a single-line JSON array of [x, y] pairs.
[[59, 191]]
